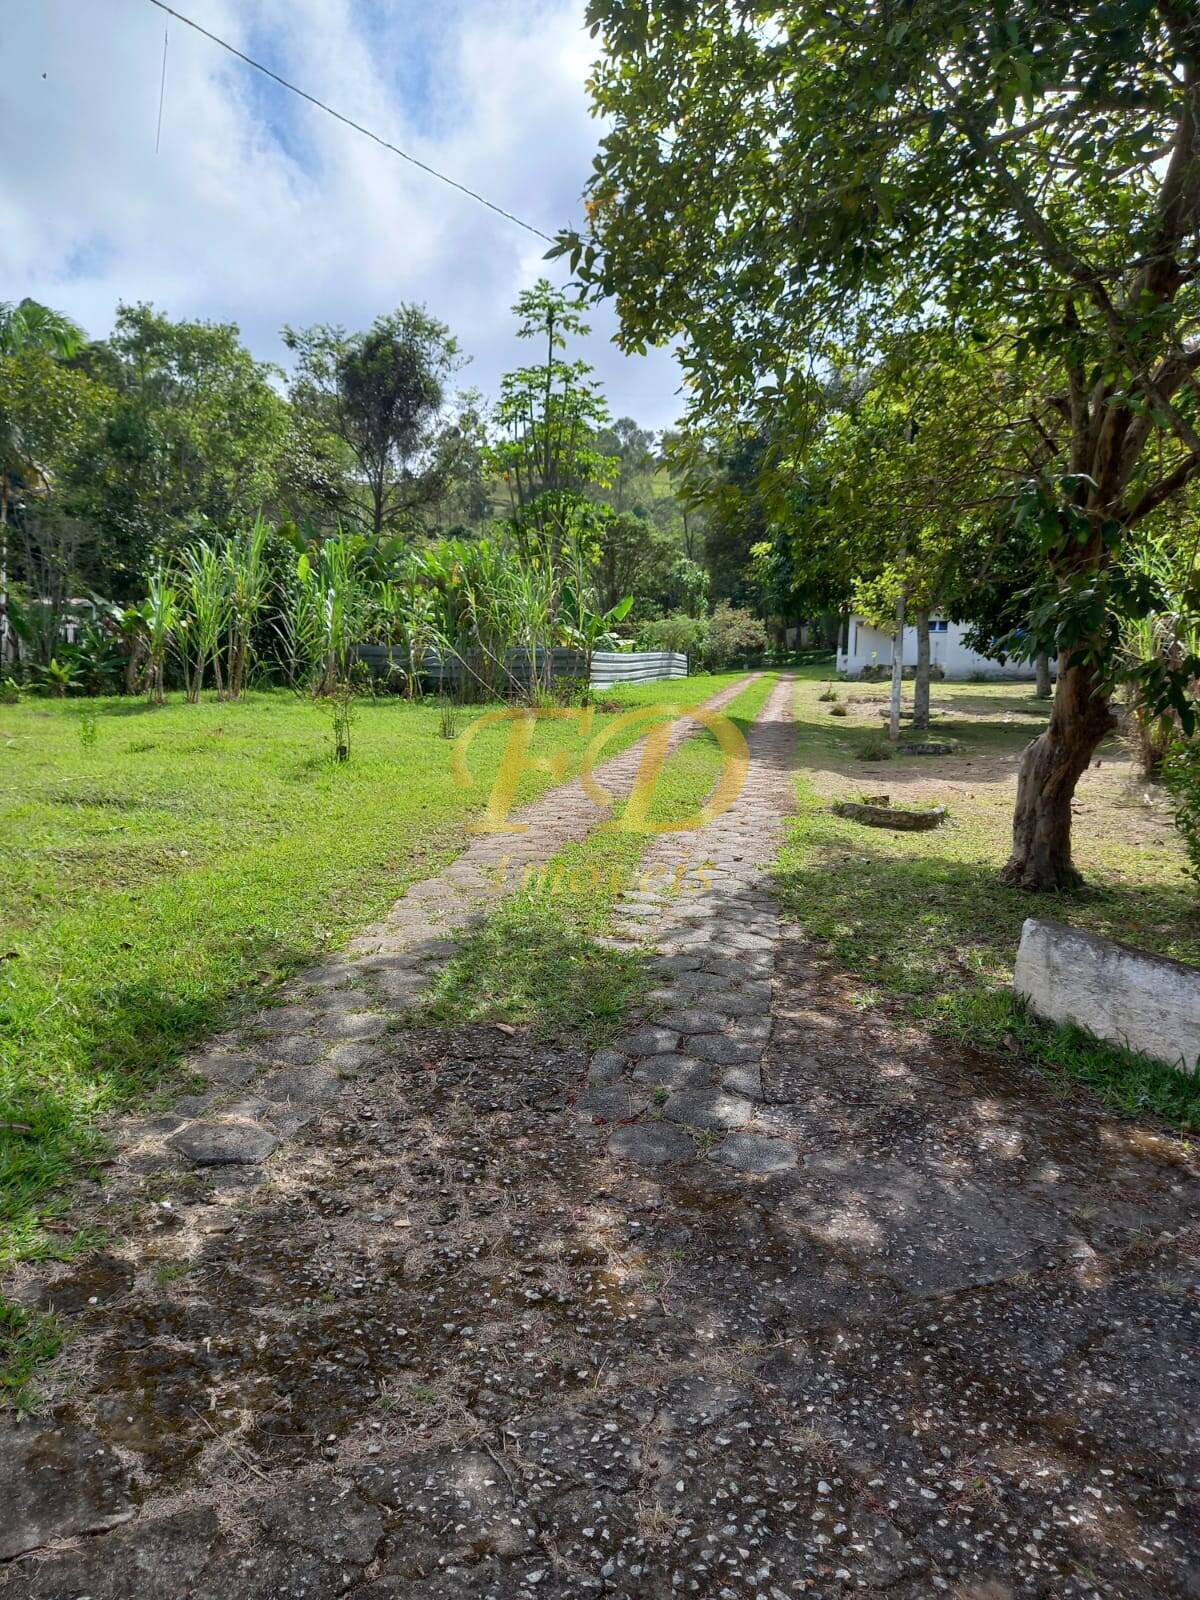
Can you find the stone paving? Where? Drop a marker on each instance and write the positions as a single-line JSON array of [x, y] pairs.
[[872, 1315], [335, 1015], [699, 1065]]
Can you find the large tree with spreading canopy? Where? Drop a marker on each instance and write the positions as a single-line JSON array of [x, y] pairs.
[[783, 183]]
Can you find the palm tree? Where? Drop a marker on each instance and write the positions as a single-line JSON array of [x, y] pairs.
[[25, 326], [29, 325]]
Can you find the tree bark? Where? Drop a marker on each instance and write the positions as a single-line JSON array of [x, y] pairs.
[[921, 686], [1051, 767], [897, 671], [1044, 686]]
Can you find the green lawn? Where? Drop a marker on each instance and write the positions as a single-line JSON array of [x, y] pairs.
[[168, 876], [921, 916]]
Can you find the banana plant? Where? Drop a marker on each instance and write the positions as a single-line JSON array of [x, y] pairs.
[[587, 630]]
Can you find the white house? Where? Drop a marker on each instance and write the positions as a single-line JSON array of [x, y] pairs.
[[860, 645]]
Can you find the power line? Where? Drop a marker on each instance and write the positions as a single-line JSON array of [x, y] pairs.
[[350, 123], [162, 90]]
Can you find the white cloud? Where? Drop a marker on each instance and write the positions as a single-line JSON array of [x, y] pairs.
[[262, 210]]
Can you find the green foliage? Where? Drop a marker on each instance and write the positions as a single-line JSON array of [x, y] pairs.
[[191, 445], [732, 635], [58, 678], [1181, 771], [635, 558], [548, 415], [99, 658], [29, 325], [204, 598], [381, 397], [687, 635]]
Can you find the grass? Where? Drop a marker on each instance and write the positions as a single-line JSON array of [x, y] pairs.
[[28, 1339], [922, 918], [165, 876], [537, 960]]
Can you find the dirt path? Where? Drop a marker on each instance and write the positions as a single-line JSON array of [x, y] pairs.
[[775, 1299]]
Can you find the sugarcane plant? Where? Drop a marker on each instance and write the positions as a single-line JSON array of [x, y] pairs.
[[204, 614]]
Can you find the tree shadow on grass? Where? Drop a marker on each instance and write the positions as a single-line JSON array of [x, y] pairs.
[[942, 935], [128, 1044]]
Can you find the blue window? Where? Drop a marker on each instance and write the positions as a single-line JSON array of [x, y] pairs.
[[941, 626]]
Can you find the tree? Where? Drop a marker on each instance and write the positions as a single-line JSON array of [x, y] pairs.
[[50, 419], [549, 416], [684, 459], [783, 178], [193, 443], [737, 514], [27, 328], [632, 451], [635, 559], [381, 393]]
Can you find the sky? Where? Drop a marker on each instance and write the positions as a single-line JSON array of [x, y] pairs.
[[261, 210]]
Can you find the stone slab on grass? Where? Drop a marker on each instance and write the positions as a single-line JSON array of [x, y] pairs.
[[1137, 1000], [55, 1484], [219, 1144], [651, 1144], [708, 1108], [755, 1153]]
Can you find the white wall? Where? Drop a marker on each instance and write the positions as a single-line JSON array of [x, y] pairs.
[[870, 647]]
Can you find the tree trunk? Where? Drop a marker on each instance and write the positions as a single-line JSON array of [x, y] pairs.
[[897, 671], [921, 686], [133, 666], [1050, 769], [1044, 686]]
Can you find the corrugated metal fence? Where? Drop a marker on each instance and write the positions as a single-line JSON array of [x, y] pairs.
[[609, 667], [612, 667]]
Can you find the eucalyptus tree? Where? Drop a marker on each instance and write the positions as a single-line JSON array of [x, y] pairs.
[[780, 181]]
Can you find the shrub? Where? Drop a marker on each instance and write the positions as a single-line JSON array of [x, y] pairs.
[[10, 691], [688, 635], [828, 693], [839, 710], [876, 749], [1182, 773], [731, 634]]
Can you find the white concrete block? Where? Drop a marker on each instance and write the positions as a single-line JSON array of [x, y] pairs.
[[1141, 1001]]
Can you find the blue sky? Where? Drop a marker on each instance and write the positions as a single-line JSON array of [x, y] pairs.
[[260, 210]]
